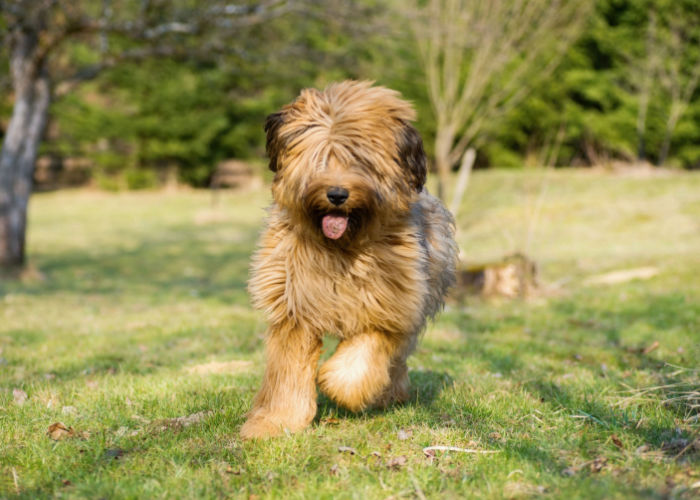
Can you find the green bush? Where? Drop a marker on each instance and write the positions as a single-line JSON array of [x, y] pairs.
[[139, 178]]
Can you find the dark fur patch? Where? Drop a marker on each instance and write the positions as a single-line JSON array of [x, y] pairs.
[[412, 156], [274, 144]]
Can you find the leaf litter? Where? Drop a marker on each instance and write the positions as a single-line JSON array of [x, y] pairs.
[[19, 396], [59, 430], [178, 423]]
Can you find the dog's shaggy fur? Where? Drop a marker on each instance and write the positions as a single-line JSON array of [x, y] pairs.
[[354, 247]]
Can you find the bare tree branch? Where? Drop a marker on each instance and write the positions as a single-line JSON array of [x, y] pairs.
[[678, 69], [481, 59]]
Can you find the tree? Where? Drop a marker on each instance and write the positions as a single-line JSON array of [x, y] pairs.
[[643, 81], [38, 36], [30, 79], [663, 70], [675, 46], [481, 58]]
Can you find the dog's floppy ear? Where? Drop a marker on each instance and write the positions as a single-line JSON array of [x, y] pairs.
[[412, 155], [274, 144]]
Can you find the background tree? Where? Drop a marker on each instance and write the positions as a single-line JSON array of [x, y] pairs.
[[55, 45], [675, 44], [138, 88], [143, 121], [28, 51], [481, 58]]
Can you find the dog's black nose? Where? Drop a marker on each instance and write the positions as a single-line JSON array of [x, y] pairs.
[[337, 195]]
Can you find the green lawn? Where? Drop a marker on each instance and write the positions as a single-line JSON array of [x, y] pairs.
[[135, 331]]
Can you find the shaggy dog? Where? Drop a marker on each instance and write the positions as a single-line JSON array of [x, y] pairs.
[[354, 247]]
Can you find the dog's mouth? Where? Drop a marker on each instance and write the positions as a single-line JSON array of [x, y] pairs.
[[334, 225], [337, 225]]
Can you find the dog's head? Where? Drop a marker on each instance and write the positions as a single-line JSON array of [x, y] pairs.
[[346, 159]]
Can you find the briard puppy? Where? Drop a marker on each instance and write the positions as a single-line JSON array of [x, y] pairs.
[[354, 247]]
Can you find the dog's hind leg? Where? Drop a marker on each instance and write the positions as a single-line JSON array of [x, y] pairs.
[[363, 369], [287, 398], [398, 390]]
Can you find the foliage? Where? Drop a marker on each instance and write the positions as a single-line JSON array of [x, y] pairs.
[[162, 114], [481, 59], [594, 96], [139, 337], [190, 113]]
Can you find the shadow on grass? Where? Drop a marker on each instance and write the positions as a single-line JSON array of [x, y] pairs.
[[425, 388], [168, 350], [551, 341], [658, 315], [183, 261], [659, 311], [623, 421]]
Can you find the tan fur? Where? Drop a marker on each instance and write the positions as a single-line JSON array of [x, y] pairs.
[[375, 286]]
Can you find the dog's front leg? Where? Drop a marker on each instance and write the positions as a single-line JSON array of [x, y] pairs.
[[364, 370], [287, 398]]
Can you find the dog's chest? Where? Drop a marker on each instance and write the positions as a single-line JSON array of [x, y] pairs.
[[383, 289]]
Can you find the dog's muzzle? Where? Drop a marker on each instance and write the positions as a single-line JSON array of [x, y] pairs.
[[334, 225]]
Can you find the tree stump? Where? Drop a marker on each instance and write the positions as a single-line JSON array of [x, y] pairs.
[[514, 276]]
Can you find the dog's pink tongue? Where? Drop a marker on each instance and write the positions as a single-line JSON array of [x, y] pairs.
[[334, 225]]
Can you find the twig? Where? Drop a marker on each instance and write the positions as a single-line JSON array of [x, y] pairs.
[[15, 479], [591, 417], [691, 442], [454, 448]]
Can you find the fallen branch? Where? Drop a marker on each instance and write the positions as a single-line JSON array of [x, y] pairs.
[[15, 480], [622, 276], [454, 448]]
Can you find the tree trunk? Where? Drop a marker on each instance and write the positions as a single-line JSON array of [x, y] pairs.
[[674, 116], [650, 67], [465, 171], [680, 98], [642, 121], [665, 148], [443, 147], [21, 142]]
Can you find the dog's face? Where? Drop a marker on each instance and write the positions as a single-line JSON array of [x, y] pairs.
[[345, 159]]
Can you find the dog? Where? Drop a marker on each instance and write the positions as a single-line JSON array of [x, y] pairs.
[[354, 247]]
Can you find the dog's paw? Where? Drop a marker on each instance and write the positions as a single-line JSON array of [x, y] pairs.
[[350, 385], [264, 423], [396, 393], [260, 426]]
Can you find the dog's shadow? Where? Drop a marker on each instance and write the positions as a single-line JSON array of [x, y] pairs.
[[426, 386]]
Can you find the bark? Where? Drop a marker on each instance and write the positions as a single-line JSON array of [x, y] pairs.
[[21, 142], [670, 127], [443, 146], [645, 88], [644, 95]]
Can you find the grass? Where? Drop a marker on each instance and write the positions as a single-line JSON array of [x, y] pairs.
[[140, 338]]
